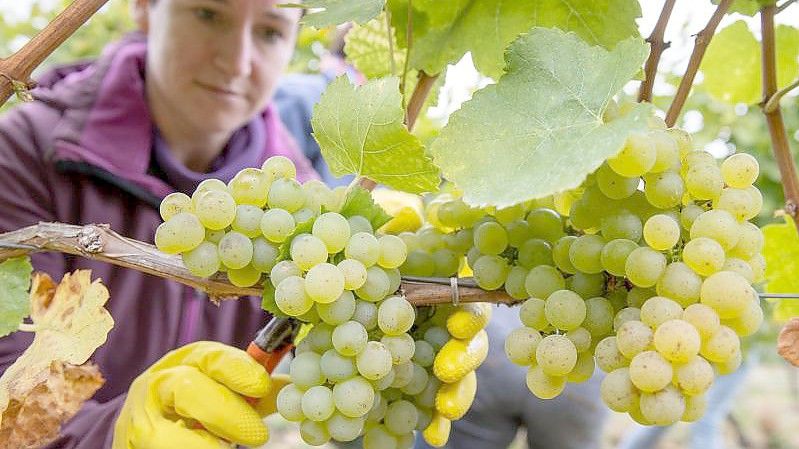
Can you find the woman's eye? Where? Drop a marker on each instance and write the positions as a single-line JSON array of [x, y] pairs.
[[270, 34], [205, 14]]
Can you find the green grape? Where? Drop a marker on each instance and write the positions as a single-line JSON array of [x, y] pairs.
[[668, 153], [364, 247], [395, 315], [607, 355], [703, 255], [264, 255], [412, 242], [542, 385], [248, 220], [392, 251], [758, 264], [749, 322], [556, 355], [615, 186], [698, 158], [740, 170], [366, 314], [621, 224], [535, 252], [424, 354], [333, 229], [277, 225], [718, 225], [521, 344], [565, 310], [250, 186], [515, 283], [587, 285], [704, 181], [354, 273], [376, 287], [614, 255], [598, 317], [289, 403], [182, 232], [661, 232], [359, 223], [418, 382], [343, 429], [664, 407], [728, 293], [308, 251], [279, 167], [374, 362], [490, 238], [583, 369], [664, 190], [563, 202], [215, 209], [287, 194], [304, 215], [244, 277], [695, 407], [518, 233], [532, 314], [644, 266], [694, 377], [394, 279], [618, 392], [703, 318], [210, 184], [657, 310], [214, 236], [543, 280], [633, 338], [688, 214], [324, 283], [304, 370], [739, 266], [680, 283], [731, 365], [650, 372], [320, 338], [235, 250], [585, 253], [202, 261], [581, 338], [756, 205], [509, 214], [545, 224], [338, 311], [750, 243], [291, 298], [584, 215], [490, 272], [624, 315], [560, 254], [354, 397], [378, 437], [317, 403], [453, 213], [461, 241], [283, 270], [400, 346], [350, 338], [683, 140], [446, 262], [318, 195], [636, 158], [677, 340], [637, 295], [401, 417], [173, 204], [418, 263]]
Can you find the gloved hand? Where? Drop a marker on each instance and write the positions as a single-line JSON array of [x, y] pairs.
[[194, 397]]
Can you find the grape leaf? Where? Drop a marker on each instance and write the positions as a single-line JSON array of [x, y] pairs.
[[746, 7], [539, 130], [360, 202], [70, 323], [442, 35], [368, 48], [15, 278], [788, 342], [336, 12], [360, 131], [732, 63], [781, 251]]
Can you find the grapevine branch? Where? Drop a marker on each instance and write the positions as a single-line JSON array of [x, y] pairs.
[[15, 71], [702, 41], [99, 242], [776, 126], [782, 7], [657, 47]]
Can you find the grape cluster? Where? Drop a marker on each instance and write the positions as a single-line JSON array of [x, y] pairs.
[[645, 270], [371, 365]]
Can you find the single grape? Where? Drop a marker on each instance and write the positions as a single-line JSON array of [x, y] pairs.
[[350, 338], [633, 338], [285, 193], [650, 372], [658, 309], [289, 403], [317, 403], [392, 251], [202, 261], [395, 315], [173, 204], [333, 229], [279, 167], [521, 344], [664, 407], [565, 310], [182, 232], [542, 281], [543, 385], [264, 255], [618, 392], [277, 225], [637, 156], [740, 170], [677, 340], [305, 371], [644, 266], [235, 250], [556, 355], [324, 283], [607, 355], [490, 272], [718, 225], [291, 298], [338, 311], [374, 362], [251, 187], [728, 293], [336, 367], [680, 283], [661, 232]]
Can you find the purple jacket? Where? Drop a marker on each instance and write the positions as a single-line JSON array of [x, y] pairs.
[[85, 152]]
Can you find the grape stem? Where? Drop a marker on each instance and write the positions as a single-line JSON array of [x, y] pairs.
[[657, 47], [99, 242], [702, 41], [776, 125], [17, 68]]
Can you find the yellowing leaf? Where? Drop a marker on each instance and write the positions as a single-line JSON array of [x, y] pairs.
[[788, 342], [70, 323]]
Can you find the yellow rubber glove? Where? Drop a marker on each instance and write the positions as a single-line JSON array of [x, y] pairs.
[[201, 383]]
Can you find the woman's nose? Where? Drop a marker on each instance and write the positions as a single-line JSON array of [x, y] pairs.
[[234, 53]]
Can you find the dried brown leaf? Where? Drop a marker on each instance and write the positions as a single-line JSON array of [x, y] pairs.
[[788, 342]]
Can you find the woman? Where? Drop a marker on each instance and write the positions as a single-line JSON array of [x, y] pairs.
[[186, 100]]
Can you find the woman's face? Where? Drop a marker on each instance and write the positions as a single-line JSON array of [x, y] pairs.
[[213, 64]]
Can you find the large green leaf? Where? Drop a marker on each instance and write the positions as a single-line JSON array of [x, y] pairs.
[[782, 264], [15, 279], [360, 131], [368, 48], [539, 130], [443, 34], [732, 64], [336, 12]]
